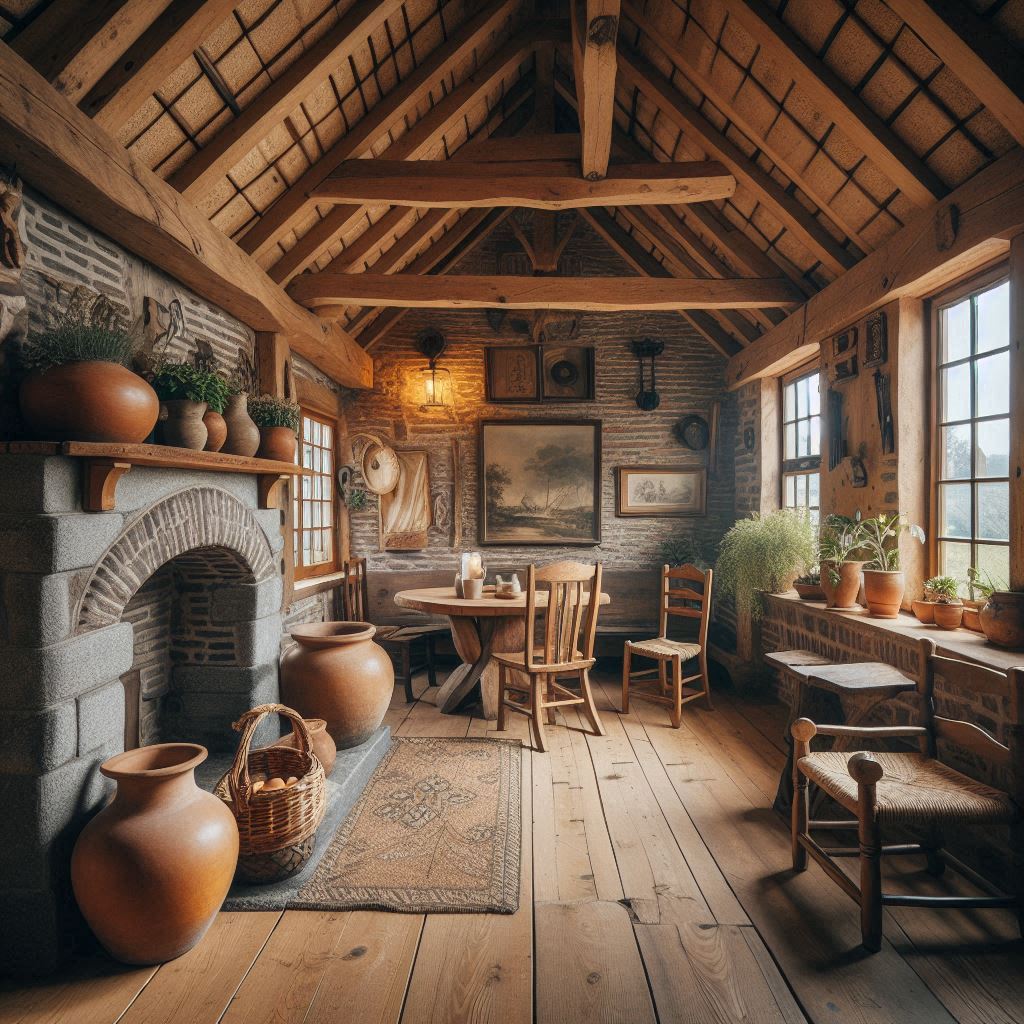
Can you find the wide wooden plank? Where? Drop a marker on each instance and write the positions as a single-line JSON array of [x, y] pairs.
[[507, 292], [588, 966], [966, 230], [199, 986], [63, 154], [594, 25]]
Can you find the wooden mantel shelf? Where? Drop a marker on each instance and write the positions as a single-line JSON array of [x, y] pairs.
[[105, 464]]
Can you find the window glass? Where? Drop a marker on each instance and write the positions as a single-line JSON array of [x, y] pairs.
[[315, 515], [801, 443]]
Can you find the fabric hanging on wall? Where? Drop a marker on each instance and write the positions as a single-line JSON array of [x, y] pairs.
[[405, 513]]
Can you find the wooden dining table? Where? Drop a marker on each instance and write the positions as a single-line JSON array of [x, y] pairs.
[[481, 627]]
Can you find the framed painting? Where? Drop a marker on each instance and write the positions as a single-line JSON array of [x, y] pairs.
[[513, 373], [568, 373], [661, 491], [540, 482]]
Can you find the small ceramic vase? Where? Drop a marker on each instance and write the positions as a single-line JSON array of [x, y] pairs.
[[216, 430], [243, 434], [277, 443], [184, 426]]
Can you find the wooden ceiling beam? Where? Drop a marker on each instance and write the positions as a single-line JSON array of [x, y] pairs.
[[399, 103], [867, 130], [981, 56], [419, 140], [73, 43], [638, 73], [570, 293], [239, 136], [550, 146], [538, 185], [644, 263], [67, 157], [965, 231], [594, 26], [151, 59]]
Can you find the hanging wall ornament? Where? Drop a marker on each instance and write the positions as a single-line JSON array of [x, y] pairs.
[[647, 398], [693, 432]]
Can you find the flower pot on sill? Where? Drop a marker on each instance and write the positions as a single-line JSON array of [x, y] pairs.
[[277, 443], [1002, 619], [809, 591], [883, 592], [948, 616], [972, 616], [183, 426], [844, 593], [924, 611]]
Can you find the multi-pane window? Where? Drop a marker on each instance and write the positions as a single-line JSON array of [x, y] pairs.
[[801, 443], [315, 519], [972, 467]]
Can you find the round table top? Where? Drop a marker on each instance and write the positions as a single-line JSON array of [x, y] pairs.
[[442, 601]]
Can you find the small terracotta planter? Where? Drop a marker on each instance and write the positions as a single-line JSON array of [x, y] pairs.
[[277, 443], [243, 434], [216, 431], [948, 616], [972, 616], [883, 592], [1002, 619], [844, 593], [809, 591], [925, 611], [184, 426]]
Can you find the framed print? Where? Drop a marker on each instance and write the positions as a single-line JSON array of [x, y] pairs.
[[568, 373], [540, 482], [661, 491], [513, 373], [405, 513]]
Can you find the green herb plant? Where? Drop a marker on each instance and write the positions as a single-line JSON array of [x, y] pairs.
[[270, 411], [982, 584], [880, 536], [942, 586], [77, 341], [185, 382], [839, 541]]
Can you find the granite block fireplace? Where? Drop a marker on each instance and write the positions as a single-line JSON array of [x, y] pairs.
[[160, 620]]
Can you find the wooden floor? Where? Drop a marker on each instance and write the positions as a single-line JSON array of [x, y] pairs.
[[656, 887]]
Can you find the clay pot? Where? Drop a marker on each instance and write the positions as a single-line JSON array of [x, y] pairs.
[[323, 745], [844, 593], [92, 401], [336, 672], [243, 434], [216, 431], [277, 443], [184, 426], [883, 592], [924, 610], [809, 591], [151, 870], [1002, 619], [948, 616], [972, 615]]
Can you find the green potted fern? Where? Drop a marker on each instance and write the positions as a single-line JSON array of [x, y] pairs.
[[185, 391], [935, 587], [278, 420]]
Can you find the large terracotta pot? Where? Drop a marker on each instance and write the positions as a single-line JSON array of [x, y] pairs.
[[277, 443], [216, 431], [184, 426], [91, 401], [151, 870], [1002, 619], [336, 672], [323, 745], [883, 592], [844, 593], [243, 434]]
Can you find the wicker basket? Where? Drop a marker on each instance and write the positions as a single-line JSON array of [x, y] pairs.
[[276, 828]]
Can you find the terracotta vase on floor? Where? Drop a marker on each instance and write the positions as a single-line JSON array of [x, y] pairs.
[[883, 592], [1002, 619], [184, 426], [151, 870], [844, 593], [323, 745], [243, 434], [89, 401], [216, 430], [336, 672], [277, 443]]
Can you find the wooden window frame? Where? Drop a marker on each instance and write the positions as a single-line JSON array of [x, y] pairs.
[[309, 572], [982, 281], [808, 464]]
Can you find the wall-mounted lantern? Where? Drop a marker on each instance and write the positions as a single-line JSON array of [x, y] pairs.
[[435, 382], [647, 398]]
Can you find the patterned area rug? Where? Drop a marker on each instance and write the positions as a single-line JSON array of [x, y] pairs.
[[437, 830]]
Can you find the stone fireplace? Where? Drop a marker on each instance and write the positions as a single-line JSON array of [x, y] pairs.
[[160, 620]]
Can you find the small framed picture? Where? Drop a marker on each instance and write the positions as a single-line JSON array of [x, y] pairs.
[[876, 341], [513, 373], [661, 491], [568, 373]]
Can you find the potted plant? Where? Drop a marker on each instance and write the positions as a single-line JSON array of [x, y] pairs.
[[217, 394], [278, 420], [980, 589], [185, 391], [79, 387], [1002, 615], [884, 582], [243, 435], [935, 588], [948, 612], [809, 587], [839, 543], [764, 553]]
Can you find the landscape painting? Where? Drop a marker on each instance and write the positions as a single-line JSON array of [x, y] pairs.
[[661, 491], [541, 482]]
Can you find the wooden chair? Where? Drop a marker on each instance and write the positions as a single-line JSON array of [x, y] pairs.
[[915, 790], [569, 624], [692, 602], [399, 641]]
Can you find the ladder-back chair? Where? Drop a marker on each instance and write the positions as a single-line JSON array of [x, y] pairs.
[[915, 790], [691, 599], [561, 624], [399, 641]]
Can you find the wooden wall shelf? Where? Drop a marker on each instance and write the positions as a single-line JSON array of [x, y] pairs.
[[105, 464]]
